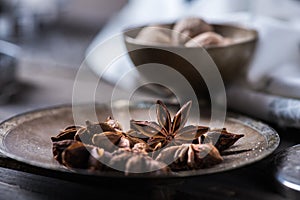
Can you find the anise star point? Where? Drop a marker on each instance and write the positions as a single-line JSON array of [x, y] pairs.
[[166, 130]]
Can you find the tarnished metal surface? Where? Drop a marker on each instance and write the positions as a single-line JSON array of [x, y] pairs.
[[26, 137]]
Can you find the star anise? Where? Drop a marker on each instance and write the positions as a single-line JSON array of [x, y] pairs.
[[186, 147], [59, 146], [85, 134], [111, 141], [190, 156], [113, 123], [66, 134], [81, 156], [168, 131], [221, 138], [136, 161], [107, 135]]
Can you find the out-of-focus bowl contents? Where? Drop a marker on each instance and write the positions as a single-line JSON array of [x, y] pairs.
[[230, 47], [189, 32], [208, 39], [155, 34], [188, 28]]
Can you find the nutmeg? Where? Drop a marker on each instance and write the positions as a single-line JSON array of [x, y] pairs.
[[188, 28], [157, 34], [205, 40]]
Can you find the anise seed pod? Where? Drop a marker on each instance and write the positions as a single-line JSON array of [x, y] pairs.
[[221, 138], [72, 127], [136, 134], [119, 159], [67, 134], [140, 148], [204, 156], [133, 163], [97, 157], [113, 123], [111, 141], [190, 156], [135, 140], [78, 156], [58, 147], [168, 131], [124, 142], [82, 135], [107, 140], [139, 163], [86, 134]]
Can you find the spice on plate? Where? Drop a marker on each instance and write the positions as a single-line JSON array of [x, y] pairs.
[[149, 147], [166, 130], [221, 138], [190, 156]]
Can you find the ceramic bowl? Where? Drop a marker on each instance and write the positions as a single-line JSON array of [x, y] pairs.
[[231, 60]]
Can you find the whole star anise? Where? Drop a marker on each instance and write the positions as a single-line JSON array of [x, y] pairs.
[[168, 131]]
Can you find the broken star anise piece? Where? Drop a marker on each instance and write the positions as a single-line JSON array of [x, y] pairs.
[[221, 138], [111, 141], [107, 140], [81, 156], [140, 148], [113, 123], [190, 156], [86, 134], [66, 134], [134, 162], [58, 147], [168, 131]]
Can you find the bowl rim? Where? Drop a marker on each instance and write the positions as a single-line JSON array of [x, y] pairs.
[[253, 38]]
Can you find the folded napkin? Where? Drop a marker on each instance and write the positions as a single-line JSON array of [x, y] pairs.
[[272, 90], [280, 110], [277, 100]]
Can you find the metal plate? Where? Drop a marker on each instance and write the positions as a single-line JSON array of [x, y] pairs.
[[26, 137]]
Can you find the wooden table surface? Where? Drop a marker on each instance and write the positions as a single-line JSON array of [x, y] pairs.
[[43, 83]]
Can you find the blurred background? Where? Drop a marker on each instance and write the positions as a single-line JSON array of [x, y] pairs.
[[59, 31], [44, 42], [55, 31]]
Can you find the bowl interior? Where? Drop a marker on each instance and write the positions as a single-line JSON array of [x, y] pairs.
[[237, 33], [231, 60]]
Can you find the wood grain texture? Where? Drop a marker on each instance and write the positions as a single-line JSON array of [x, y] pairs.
[[230, 185]]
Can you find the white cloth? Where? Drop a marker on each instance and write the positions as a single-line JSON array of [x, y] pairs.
[[279, 110]]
